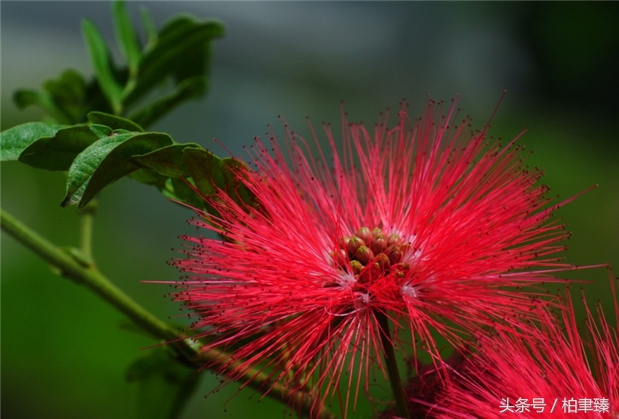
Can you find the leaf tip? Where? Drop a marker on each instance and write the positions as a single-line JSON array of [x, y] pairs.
[[66, 202]]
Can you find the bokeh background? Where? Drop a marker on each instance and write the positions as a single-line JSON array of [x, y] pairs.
[[65, 353]]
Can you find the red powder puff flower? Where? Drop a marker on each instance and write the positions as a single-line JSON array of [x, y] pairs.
[[415, 227], [550, 372]]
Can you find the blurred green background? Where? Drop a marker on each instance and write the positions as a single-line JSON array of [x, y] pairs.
[[64, 353]]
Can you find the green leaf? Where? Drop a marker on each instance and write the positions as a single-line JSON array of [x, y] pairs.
[[164, 385], [106, 161], [113, 121], [190, 88], [126, 37], [205, 170], [68, 92], [63, 98], [59, 151], [210, 173], [149, 27], [101, 131], [69, 87], [167, 161], [14, 141], [231, 168], [101, 60], [178, 39], [149, 177], [86, 163], [178, 189], [28, 97], [95, 100]]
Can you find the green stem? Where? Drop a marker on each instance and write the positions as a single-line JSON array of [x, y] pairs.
[[392, 366], [91, 278], [86, 275]]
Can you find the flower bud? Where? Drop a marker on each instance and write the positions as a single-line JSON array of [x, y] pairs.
[[382, 261], [364, 254], [364, 234], [394, 239], [353, 244], [356, 266], [378, 244], [394, 254]]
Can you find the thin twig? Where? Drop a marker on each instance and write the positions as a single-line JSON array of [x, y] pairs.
[[95, 281]]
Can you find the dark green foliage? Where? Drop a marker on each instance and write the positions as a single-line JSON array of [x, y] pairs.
[[59, 151], [15, 140], [179, 54], [167, 161], [97, 132], [107, 160]]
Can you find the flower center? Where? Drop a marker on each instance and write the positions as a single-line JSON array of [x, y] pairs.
[[371, 254]]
